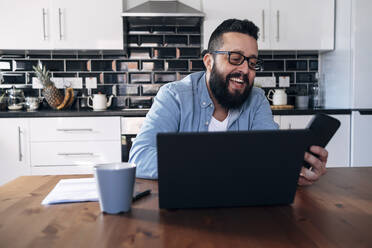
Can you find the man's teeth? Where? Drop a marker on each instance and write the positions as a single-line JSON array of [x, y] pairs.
[[238, 80]]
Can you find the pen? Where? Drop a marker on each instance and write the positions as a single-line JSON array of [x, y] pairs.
[[141, 194]]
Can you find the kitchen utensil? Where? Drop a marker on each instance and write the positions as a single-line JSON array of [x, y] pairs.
[[32, 103], [16, 98], [99, 102], [302, 102], [279, 97]]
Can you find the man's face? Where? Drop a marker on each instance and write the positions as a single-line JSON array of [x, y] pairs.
[[231, 84]]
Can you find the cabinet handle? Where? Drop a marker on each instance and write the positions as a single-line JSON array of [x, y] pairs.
[[263, 25], [74, 129], [76, 154], [277, 26], [60, 23], [44, 29], [19, 144]]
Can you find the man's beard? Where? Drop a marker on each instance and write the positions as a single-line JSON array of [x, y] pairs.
[[219, 87]]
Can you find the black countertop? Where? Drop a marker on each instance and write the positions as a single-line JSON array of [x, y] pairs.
[[143, 112]]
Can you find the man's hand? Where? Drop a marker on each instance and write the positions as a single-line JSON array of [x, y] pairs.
[[318, 166]]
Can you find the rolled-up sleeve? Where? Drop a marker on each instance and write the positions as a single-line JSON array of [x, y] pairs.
[[164, 116]]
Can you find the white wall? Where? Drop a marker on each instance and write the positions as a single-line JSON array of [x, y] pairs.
[[335, 66]]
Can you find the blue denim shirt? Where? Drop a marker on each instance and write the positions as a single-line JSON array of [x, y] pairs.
[[185, 106]]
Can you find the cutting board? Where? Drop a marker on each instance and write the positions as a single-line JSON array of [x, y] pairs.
[[281, 107]]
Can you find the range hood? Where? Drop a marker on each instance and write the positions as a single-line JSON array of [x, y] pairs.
[[163, 13]]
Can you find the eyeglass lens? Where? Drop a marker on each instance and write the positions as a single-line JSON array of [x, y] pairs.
[[238, 59]]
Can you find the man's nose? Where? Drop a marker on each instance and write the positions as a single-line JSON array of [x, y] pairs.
[[244, 67]]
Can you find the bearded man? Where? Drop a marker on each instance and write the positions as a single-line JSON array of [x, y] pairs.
[[220, 99]]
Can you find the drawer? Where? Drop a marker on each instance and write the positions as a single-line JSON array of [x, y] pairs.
[[131, 125], [75, 153], [75, 129]]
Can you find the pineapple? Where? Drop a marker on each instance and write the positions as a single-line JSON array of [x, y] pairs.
[[52, 95]]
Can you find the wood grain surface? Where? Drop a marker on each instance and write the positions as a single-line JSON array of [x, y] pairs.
[[335, 212]]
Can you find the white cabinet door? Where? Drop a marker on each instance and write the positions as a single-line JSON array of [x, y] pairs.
[[14, 149], [302, 24], [25, 24], [339, 146], [361, 151], [284, 24], [294, 121], [131, 125], [219, 10], [57, 24], [87, 24]]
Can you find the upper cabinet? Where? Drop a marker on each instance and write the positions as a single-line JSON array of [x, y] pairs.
[[57, 24], [284, 24], [256, 11]]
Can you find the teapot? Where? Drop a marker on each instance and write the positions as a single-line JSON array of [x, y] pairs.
[[100, 102], [279, 97]]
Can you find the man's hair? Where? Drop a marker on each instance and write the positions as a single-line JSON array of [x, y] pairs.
[[231, 25]]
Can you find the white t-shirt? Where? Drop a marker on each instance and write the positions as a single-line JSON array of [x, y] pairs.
[[218, 126]]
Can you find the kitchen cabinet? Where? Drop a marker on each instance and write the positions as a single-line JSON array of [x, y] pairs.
[[14, 149], [57, 24], [73, 145], [361, 138], [256, 11], [284, 24], [131, 125], [339, 146], [25, 24]]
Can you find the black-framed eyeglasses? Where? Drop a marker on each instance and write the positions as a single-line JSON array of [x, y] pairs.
[[236, 58]]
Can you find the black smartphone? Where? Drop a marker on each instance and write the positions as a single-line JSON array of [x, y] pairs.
[[322, 128]]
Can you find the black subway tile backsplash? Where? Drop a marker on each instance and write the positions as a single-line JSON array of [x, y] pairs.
[[177, 65], [76, 65], [137, 78], [313, 65], [305, 77], [25, 65], [284, 54], [164, 77], [273, 65], [150, 89], [175, 40], [128, 90], [115, 78], [296, 65], [103, 65], [54, 65], [152, 56], [162, 53], [189, 52], [14, 78]]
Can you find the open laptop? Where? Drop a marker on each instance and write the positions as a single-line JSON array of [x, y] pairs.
[[229, 169]]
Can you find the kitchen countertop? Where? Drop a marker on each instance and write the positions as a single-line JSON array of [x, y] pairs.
[[143, 112]]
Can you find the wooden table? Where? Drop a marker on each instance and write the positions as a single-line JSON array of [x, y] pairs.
[[335, 212]]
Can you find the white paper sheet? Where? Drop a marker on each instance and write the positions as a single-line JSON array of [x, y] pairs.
[[72, 190]]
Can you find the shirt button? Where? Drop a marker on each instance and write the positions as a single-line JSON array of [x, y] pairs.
[[206, 123], [204, 103]]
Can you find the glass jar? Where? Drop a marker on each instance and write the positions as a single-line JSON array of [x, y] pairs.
[[16, 99]]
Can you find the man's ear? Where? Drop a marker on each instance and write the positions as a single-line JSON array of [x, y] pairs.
[[208, 61]]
